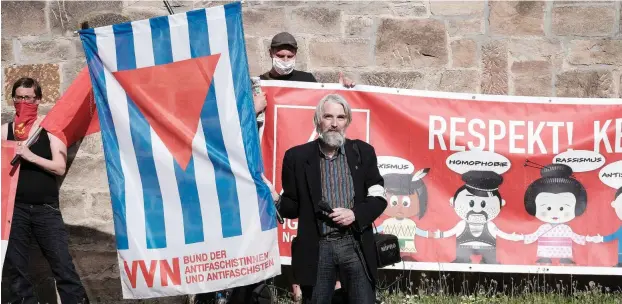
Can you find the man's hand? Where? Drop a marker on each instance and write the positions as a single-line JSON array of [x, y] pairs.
[[345, 81], [26, 154], [342, 216], [260, 102], [275, 195]]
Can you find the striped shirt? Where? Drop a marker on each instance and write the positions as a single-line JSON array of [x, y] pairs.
[[337, 185]]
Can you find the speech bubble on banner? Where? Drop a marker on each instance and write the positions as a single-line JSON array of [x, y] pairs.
[[394, 164], [580, 160], [611, 175], [477, 160]]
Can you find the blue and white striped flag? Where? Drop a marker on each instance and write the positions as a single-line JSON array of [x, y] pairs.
[[173, 94]]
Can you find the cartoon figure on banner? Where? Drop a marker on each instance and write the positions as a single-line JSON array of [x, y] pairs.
[[477, 203], [613, 180], [407, 197], [556, 198]]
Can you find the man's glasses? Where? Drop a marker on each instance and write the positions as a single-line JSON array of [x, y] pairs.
[[24, 98]]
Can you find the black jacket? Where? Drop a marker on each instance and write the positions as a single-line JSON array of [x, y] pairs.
[[302, 191]]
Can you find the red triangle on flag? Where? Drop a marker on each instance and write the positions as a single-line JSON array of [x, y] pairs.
[[171, 97]]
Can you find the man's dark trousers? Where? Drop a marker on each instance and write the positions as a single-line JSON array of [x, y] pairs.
[[340, 256]]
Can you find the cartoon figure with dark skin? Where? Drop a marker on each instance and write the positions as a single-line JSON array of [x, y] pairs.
[[617, 206], [555, 199], [477, 202], [407, 198]]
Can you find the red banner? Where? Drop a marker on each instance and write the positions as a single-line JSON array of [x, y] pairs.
[[477, 182], [9, 185]]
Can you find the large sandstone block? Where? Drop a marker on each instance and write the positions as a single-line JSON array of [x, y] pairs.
[[21, 18], [461, 81], [315, 20], [454, 8], [75, 205], [326, 76], [494, 68], [101, 209], [70, 71], [538, 86], [583, 21], [588, 52], [517, 18], [210, 3], [254, 52], [264, 21], [465, 27], [532, 78], [87, 172], [377, 8], [464, 53], [7, 50], [531, 68], [407, 43], [8, 113], [397, 79], [48, 76], [91, 144], [535, 50], [140, 10], [38, 50], [66, 16], [340, 53], [408, 9], [585, 84], [358, 26]]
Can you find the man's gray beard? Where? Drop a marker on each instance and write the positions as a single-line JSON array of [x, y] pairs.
[[333, 139]]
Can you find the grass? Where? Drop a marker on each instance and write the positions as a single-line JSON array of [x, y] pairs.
[[534, 289]]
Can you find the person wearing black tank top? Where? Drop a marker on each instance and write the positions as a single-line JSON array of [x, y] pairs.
[[36, 213]]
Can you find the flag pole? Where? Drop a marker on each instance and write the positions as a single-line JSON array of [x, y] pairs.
[[168, 7], [28, 143]]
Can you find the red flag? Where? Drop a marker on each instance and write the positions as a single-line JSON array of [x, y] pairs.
[[9, 185], [74, 115]]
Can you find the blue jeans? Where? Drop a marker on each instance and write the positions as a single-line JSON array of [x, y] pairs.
[[45, 224], [341, 256]]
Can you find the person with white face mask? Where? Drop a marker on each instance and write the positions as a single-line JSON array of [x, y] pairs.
[[283, 51]]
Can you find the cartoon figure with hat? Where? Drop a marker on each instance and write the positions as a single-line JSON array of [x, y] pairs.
[[407, 198], [556, 198], [477, 202]]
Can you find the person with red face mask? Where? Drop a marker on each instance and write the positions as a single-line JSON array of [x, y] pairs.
[[36, 213]]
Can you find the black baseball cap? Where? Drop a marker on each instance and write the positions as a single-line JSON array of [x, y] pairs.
[[284, 39]]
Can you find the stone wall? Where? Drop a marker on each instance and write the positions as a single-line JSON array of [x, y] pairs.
[[532, 48]]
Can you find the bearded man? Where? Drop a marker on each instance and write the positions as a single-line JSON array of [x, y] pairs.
[[338, 174]]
